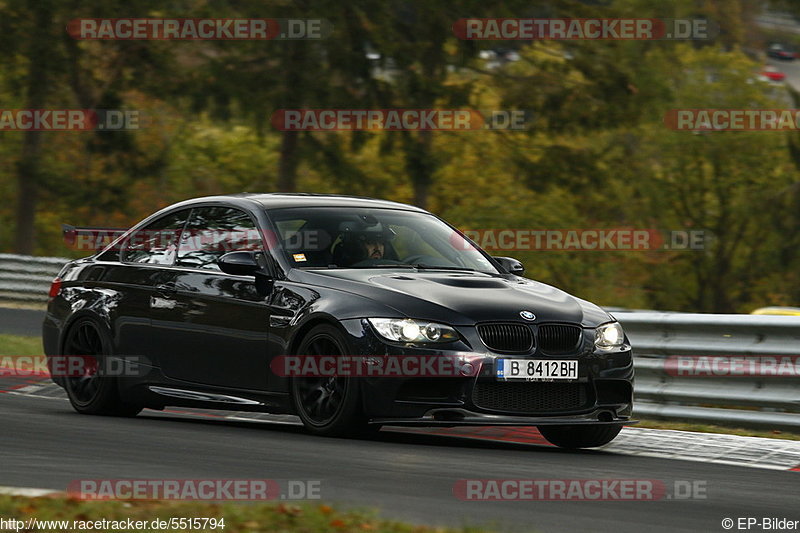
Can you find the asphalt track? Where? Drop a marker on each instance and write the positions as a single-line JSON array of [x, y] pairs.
[[408, 476], [405, 475], [27, 322]]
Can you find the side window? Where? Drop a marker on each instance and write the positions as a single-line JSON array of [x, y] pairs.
[[156, 243], [213, 232]]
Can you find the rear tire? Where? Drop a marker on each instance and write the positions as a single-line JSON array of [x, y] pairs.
[[580, 436], [329, 407], [92, 393]]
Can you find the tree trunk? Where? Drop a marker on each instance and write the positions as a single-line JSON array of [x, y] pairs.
[[293, 98], [27, 189], [420, 165], [28, 167], [287, 166]]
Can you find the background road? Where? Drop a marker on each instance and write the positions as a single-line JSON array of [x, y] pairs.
[[790, 68], [26, 322], [786, 24], [407, 476]]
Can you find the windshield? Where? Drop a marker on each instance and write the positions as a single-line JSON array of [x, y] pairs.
[[328, 237]]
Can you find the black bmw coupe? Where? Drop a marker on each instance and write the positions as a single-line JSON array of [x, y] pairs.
[[206, 303]]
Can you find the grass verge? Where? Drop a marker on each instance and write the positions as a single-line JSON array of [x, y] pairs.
[[238, 517], [10, 303], [711, 428], [18, 345]]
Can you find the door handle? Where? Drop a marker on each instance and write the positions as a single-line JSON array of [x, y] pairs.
[[167, 290]]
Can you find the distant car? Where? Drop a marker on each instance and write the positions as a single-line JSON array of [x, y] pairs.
[[785, 311], [781, 51], [211, 291], [498, 57], [772, 74]]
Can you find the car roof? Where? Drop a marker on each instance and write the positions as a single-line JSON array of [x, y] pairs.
[[286, 200]]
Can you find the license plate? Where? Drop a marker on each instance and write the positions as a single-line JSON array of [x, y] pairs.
[[536, 369]]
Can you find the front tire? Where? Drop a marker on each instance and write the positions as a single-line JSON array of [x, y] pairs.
[[91, 393], [580, 436], [329, 406]]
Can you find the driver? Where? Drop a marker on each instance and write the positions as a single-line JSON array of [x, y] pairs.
[[362, 244], [374, 246]]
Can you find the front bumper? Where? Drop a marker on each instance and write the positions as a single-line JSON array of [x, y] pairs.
[[479, 419], [602, 394]]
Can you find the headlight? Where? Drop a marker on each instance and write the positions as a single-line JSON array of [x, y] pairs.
[[609, 336], [408, 330]]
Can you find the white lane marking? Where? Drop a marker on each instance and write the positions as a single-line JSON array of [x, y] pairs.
[[756, 452], [29, 492], [276, 422], [30, 389], [29, 395]]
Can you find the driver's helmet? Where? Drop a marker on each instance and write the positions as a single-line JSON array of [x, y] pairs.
[[355, 234]]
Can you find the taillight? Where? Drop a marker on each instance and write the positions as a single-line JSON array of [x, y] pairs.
[[55, 288]]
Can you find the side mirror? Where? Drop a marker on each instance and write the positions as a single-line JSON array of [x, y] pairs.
[[241, 263], [511, 265]]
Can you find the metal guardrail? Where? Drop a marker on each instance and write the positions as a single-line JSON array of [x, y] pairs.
[[720, 386], [27, 279]]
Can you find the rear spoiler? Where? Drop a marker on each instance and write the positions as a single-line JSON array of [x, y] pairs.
[[89, 238]]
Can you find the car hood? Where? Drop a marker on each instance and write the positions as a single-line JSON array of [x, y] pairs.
[[460, 298]]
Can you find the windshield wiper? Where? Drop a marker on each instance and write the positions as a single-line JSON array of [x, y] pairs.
[[399, 265], [418, 266], [422, 266]]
